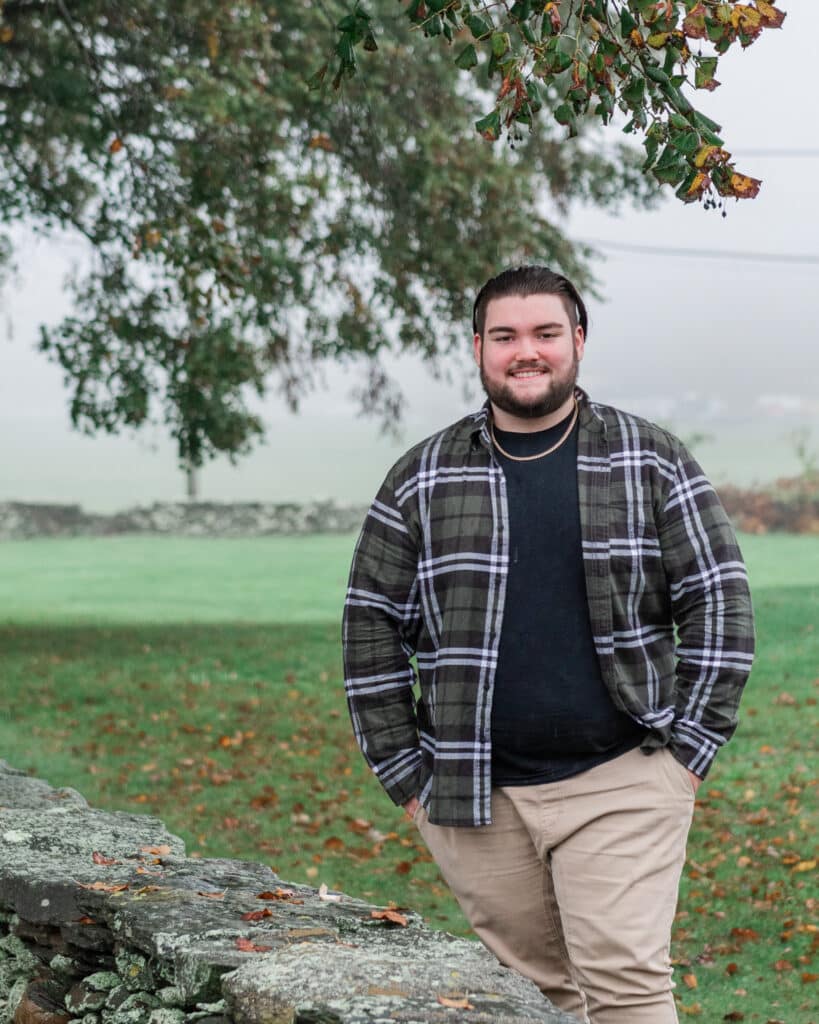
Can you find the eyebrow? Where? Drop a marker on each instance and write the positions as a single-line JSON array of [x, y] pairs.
[[511, 330]]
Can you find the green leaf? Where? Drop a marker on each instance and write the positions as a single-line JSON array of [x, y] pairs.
[[467, 58], [701, 121], [686, 143], [478, 26], [634, 91], [500, 43], [489, 126], [564, 114], [316, 80], [627, 22]]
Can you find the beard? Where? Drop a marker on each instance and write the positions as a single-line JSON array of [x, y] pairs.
[[560, 389]]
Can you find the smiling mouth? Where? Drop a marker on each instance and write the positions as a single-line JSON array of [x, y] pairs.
[[526, 374]]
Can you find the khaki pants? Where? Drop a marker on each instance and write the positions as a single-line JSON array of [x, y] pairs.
[[574, 884]]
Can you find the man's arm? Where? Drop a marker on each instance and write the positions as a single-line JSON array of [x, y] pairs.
[[381, 621], [711, 605]]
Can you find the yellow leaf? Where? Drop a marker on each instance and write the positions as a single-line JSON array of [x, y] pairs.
[[805, 865], [6, 34], [744, 187], [710, 155], [744, 16], [690, 980], [636, 38]]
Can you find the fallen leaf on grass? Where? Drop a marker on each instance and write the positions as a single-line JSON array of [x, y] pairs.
[[100, 858], [248, 946], [734, 1015], [807, 978], [744, 934], [389, 915], [694, 1010], [783, 965], [457, 1003], [257, 915], [102, 886], [690, 980], [805, 865]]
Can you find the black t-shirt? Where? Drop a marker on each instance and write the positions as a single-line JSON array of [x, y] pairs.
[[552, 716]]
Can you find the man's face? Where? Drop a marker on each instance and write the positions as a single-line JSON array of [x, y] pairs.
[[529, 355]]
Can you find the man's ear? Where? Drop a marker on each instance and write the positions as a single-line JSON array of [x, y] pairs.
[[476, 348], [579, 341]]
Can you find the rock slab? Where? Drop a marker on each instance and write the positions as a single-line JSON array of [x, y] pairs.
[[104, 920]]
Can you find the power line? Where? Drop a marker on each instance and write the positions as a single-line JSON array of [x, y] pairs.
[[711, 254], [784, 153]]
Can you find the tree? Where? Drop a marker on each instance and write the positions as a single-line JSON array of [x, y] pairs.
[[243, 228], [580, 58]]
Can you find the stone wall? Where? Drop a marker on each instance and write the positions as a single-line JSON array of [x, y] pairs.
[[20, 521], [104, 920]]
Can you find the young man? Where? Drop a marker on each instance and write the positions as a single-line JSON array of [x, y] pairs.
[[536, 557]]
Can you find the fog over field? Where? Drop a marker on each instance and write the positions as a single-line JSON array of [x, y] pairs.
[[723, 346]]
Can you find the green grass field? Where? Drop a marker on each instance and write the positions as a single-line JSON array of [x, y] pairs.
[[200, 680]]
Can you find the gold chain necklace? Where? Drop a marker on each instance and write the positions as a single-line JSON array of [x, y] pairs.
[[540, 455]]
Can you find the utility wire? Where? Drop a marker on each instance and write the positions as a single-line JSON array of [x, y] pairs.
[[783, 153], [712, 254]]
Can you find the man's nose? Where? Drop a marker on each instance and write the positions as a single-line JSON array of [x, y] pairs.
[[527, 348]]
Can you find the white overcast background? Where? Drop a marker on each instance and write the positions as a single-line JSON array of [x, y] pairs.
[[724, 347]]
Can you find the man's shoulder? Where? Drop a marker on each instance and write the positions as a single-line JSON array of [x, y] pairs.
[[627, 431], [448, 446]]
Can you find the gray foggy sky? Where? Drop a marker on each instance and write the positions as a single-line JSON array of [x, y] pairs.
[[724, 347]]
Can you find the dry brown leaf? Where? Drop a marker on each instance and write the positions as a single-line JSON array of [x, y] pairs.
[[279, 894], [257, 915], [390, 915], [456, 1002], [156, 851], [103, 886], [690, 980], [100, 858], [248, 946], [212, 895]]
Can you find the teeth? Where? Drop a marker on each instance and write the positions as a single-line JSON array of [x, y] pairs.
[[528, 373]]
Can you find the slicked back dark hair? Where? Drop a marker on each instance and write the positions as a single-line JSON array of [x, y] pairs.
[[530, 280]]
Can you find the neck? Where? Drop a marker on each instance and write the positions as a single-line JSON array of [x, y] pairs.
[[525, 425]]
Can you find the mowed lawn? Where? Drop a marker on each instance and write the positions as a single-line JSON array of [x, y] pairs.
[[200, 680]]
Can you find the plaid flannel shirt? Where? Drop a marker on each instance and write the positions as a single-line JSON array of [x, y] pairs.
[[428, 580]]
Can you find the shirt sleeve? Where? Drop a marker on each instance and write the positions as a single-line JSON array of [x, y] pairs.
[[711, 606], [380, 629]]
